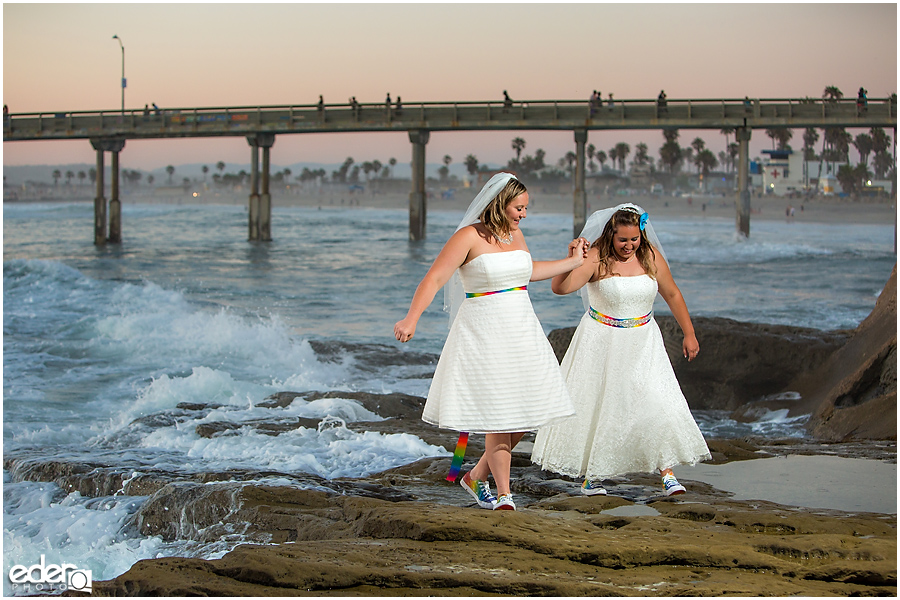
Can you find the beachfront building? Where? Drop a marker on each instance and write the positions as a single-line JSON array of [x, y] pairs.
[[783, 172]]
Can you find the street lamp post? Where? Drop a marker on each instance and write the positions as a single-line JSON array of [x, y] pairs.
[[121, 45]]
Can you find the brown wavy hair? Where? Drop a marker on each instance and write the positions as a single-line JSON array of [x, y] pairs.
[[645, 253], [494, 214]]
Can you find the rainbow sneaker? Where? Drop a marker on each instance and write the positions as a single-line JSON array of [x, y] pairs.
[[671, 485], [505, 502], [592, 488], [480, 490]]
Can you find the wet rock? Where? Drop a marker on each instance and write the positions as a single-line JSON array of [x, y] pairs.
[[561, 546], [370, 357], [854, 394]]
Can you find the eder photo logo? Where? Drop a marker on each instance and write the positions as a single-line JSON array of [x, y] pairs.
[[50, 578]]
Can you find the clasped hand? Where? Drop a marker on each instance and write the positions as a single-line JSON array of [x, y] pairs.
[[579, 248]]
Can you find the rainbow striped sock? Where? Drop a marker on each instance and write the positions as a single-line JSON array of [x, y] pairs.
[[458, 455]]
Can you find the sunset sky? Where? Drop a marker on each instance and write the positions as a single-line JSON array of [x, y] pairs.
[[61, 57]]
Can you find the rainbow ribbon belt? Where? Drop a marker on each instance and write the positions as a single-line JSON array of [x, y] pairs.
[[480, 294], [458, 454], [613, 322]]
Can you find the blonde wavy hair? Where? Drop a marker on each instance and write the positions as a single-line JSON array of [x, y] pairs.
[[645, 253], [494, 214]]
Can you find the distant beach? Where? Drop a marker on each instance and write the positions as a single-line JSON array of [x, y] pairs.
[[816, 209]]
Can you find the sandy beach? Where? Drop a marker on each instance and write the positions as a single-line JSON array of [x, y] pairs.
[[817, 209]]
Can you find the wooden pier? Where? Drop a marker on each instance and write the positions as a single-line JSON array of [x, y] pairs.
[[109, 130]]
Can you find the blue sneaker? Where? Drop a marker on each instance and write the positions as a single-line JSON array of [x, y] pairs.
[[671, 485], [480, 490], [592, 488]]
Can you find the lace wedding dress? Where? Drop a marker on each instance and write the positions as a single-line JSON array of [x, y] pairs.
[[631, 416]]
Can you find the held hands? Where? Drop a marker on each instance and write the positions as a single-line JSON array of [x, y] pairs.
[[578, 249], [404, 330], [690, 348]]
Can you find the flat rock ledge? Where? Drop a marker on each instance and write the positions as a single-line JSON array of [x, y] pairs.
[[323, 543], [409, 532]]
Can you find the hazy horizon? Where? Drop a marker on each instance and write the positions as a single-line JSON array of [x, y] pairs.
[[62, 57]]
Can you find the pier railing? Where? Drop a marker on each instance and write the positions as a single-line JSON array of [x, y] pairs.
[[759, 113]]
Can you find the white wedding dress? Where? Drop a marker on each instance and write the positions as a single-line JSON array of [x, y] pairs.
[[631, 414], [497, 372]]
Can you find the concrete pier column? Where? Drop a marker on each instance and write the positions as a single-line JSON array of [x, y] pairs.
[[253, 203], [417, 197], [742, 202], [115, 204], [579, 205], [99, 199], [265, 141]]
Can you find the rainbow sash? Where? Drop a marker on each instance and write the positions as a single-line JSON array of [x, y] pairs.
[[480, 294], [613, 322], [458, 454]]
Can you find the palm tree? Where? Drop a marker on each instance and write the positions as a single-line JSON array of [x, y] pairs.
[[69, 176], [150, 179], [733, 150], [687, 155], [590, 151], [171, 171], [81, 177], [706, 161], [622, 151], [883, 161], [471, 164], [56, 175], [698, 146], [864, 145], [569, 160], [205, 170], [832, 93], [810, 137], [220, 166], [780, 136], [601, 158], [726, 131], [392, 162], [640, 154], [518, 144], [376, 166], [670, 151]]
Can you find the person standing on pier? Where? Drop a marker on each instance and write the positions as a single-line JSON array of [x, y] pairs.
[[497, 373], [631, 414]]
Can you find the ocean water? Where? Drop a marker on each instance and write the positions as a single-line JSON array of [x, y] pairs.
[[100, 341]]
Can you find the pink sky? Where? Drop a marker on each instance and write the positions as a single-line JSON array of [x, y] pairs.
[[61, 57]]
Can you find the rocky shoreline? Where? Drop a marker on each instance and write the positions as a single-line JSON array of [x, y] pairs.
[[408, 532]]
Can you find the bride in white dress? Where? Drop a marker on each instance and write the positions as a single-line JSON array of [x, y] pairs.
[[631, 414], [497, 373]]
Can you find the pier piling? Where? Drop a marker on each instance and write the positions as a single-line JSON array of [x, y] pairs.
[[742, 202], [417, 197], [579, 206], [99, 199]]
